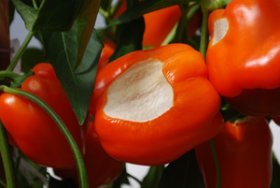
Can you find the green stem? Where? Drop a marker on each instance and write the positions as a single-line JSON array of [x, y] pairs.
[[134, 178], [204, 32], [7, 159], [75, 149], [153, 177], [8, 74], [20, 51], [217, 166], [35, 4]]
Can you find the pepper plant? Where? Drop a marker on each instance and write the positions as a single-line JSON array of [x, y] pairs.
[[185, 87]]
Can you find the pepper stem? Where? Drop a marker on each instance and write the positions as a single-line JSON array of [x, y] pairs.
[[7, 159], [217, 166], [74, 147], [204, 32]]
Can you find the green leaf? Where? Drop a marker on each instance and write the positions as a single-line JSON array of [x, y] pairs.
[[62, 50], [49, 15], [182, 173], [129, 37], [143, 7], [31, 57], [85, 24], [74, 55], [153, 177], [276, 173]]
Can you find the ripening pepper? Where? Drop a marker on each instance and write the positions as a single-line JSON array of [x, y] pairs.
[[101, 168], [243, 55], [244, 153], [155, 105], [32, 129], [158, 24], [106, 53]]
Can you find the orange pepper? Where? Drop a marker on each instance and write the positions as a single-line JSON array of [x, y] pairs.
[[243, 55], [101, 168], [158, 24], [244, 152], [106, 53], [156, 105], [32, 129]]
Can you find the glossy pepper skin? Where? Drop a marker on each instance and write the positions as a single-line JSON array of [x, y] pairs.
[[244, 54], [31, 129], [244, 151], [193, 118]]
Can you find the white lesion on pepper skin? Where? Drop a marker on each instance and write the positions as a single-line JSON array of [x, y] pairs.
[[221, 27], [140, 94]]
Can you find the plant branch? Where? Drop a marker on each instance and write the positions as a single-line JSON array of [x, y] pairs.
[[35, 5], [20, 51], [217, 166]]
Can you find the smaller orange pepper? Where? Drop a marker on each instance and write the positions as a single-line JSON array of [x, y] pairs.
[[106, 53], [244, 152], [101, 168], [158, 24]]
